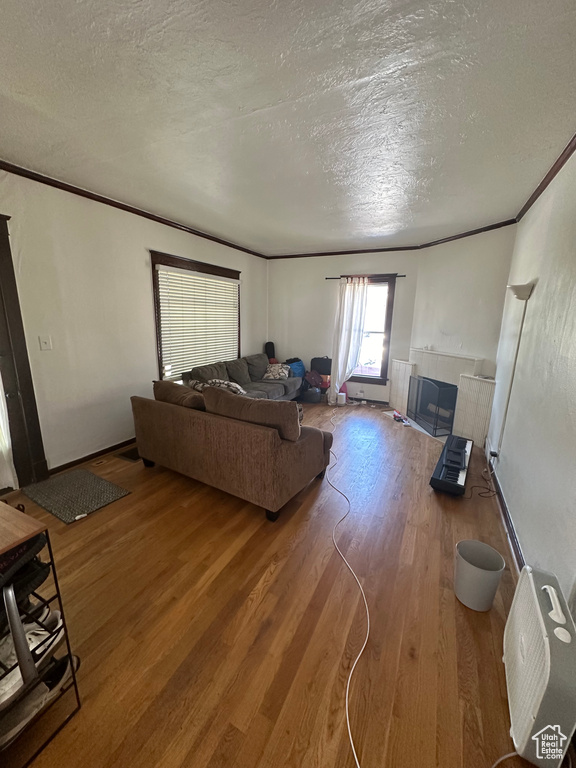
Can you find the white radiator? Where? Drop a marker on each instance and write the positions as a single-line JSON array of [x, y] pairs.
[[473, 408], [399, 383]]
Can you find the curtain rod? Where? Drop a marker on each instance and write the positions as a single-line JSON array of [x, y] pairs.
[[341, 276]]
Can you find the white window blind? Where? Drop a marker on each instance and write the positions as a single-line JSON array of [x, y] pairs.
[[198, 319]]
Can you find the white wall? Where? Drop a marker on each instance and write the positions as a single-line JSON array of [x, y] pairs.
[[536, 464], [460, 295], [84, 277], [451, 299], [83, 273], [303, 304]]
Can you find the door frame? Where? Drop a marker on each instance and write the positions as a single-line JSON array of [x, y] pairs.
[[25, 433]]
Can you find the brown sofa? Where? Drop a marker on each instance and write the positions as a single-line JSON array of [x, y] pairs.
[[248, 372], [234, 445]]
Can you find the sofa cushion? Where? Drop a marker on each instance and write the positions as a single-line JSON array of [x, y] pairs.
[[177, 394], [231, 386], [238, 371], [253, 390], [273, 389], [207, 372], [276, 371], [281, 415], [257, 365], [257, 393]]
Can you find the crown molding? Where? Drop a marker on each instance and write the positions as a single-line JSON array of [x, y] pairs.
[[421, 246], [65, 187], [563, 158], [561, 161]]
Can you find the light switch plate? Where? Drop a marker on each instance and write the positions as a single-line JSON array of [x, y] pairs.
[[45, 343]]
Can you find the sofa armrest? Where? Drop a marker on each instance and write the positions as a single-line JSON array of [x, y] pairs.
[[294, 464], [328, 440], [327, 437]]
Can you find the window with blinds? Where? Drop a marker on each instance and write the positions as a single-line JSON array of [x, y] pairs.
[[197, 315]]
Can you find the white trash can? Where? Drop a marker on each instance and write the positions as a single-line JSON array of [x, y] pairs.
[[478, 569]]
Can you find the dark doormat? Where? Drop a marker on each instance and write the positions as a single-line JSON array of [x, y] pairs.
[[75, 494], [130, 455]]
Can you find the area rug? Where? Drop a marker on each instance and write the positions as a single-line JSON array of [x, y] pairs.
[[74, 495]]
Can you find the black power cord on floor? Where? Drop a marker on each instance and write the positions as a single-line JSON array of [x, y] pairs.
[[487, 491]]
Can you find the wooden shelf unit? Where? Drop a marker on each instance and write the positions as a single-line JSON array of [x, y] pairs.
[[17, 528]]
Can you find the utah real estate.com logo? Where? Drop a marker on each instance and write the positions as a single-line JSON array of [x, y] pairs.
[[549, 743]]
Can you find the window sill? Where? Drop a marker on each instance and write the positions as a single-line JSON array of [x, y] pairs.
[[368, 380]]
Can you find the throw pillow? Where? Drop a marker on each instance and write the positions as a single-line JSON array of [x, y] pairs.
[[177, 394], [231, 386], [281, 415], [277, 371]]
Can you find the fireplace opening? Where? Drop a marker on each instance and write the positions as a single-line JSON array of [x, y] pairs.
[[431, 404]]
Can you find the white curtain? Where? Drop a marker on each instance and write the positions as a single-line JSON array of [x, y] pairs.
[[8, 477], [348, 332]]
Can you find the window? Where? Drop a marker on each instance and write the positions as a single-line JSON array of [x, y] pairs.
[[197, 313], [375, 349]]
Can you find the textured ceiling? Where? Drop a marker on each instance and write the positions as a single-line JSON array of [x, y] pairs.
[[293, 126]]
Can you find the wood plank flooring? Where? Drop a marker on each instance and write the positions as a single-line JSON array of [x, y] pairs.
[[211, 637]]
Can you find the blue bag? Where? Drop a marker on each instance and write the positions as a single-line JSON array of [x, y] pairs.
[[298, 368]]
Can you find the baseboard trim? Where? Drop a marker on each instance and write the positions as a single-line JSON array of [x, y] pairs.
[[360, 400], [508, 524], [70, 464]]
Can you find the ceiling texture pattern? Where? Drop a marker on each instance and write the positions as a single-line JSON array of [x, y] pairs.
[[294, 126]]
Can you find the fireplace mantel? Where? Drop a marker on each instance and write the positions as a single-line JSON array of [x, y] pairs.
[[445, 366]]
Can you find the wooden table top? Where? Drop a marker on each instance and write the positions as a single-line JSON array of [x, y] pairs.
[[16, 527]]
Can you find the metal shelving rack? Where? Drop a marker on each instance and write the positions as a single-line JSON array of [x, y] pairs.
[[33, 667]]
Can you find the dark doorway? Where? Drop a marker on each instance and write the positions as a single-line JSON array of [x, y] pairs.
[[27, 446]]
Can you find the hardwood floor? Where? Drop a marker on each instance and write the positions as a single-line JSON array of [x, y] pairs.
[[211, 637]]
